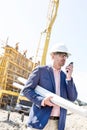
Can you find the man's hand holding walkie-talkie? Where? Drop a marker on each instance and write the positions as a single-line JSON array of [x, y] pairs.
[[69, 70]]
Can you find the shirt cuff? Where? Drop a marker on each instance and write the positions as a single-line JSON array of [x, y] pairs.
[[69, 82]]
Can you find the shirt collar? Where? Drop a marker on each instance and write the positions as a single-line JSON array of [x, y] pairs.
[[56, 69]]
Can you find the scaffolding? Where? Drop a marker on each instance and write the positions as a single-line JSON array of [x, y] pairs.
[[12, 65]]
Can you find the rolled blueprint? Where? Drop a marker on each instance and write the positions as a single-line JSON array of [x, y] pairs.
[[56, 99]]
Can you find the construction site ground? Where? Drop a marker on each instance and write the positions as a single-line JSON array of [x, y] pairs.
[[16, 121]]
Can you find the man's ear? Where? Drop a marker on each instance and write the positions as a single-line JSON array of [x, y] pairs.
[[52, 56]]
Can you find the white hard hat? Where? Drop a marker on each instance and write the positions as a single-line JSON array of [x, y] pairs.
[[60, 48]]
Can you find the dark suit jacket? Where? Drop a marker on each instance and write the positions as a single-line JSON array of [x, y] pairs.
[[43, 76]]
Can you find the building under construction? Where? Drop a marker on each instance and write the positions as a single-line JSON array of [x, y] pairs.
[[13, 64]]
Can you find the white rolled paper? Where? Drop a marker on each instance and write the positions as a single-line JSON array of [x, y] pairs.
[[56, 99], [61, 101]]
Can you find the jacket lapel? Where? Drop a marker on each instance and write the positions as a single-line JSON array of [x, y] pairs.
[[52, 77], [61, 84]]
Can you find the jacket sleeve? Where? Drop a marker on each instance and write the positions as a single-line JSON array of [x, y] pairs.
[[71, 90], [29, 89]]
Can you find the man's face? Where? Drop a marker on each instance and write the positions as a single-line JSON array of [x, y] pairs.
[[59, 58]]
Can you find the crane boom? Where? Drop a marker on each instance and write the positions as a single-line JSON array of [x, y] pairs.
[[52, 13]]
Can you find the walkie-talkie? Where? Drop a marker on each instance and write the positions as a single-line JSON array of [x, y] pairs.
[[69, 64]]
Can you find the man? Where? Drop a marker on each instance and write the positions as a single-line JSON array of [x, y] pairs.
[[44, 115]]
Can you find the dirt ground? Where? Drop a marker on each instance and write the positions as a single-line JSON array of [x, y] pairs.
[[76, 122], [15, 121], [12, 120]]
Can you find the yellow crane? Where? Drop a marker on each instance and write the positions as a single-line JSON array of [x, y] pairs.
[[52, 13]]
